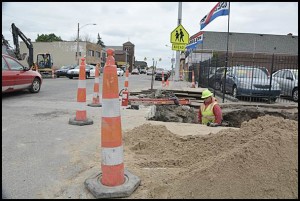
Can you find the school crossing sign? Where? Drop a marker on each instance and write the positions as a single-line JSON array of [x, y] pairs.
[[179, 38]]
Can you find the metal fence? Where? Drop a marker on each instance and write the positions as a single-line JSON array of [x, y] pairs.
[[251, 78]]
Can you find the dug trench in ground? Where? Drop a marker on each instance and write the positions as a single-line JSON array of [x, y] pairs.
[[235, 114]]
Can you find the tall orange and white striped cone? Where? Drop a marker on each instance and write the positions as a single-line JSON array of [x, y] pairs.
[[81, 117], [96, 98], [167, 83], [193, 80], [162, 79], [113, 181], [125, 94]]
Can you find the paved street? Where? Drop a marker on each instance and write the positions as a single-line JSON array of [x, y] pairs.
[[37, 139]]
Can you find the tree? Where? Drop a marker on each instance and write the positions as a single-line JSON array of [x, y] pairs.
[[100, 42], [48, 38], [86, 38]]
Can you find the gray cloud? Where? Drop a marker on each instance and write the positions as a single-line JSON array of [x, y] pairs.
[[146, 24]]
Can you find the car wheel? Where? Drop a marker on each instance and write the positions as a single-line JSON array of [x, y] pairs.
[[217, 85], [234, 91], [87, 76], [57, 76], [35, 86], [70, 77], [295, 95]]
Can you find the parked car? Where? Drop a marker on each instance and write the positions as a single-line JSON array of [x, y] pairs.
[[16, 77], [149, 72], [75, 72], [251, 82], [135, 72], [120, 72], [158, 75], [62, 71], [288, 82], [215, 77], [93, 71], [143, 71]]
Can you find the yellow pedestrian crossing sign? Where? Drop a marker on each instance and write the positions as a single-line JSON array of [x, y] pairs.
[[179, 35]]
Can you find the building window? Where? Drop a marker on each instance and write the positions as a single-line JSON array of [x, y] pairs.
[[97, 54], [91, 53]]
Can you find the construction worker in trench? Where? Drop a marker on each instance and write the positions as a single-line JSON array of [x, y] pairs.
[[209, 111]]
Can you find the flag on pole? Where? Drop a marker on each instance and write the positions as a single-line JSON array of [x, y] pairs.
[[220, 9], [194, 41]]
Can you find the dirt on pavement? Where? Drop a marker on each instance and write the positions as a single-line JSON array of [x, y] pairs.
[[260, 160]]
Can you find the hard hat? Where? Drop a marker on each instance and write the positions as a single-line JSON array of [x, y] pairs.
[[206, 93]]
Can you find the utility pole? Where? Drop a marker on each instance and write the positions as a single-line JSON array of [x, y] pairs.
[[177, 64]]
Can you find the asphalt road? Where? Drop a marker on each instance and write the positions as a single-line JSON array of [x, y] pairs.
[[36, 136]]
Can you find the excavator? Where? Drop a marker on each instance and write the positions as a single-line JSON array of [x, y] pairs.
[[43, 62]]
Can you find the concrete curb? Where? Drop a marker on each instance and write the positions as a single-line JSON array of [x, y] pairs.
[[94, 185]]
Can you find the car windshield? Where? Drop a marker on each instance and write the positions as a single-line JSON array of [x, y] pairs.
[[251, 72], [64, 67]]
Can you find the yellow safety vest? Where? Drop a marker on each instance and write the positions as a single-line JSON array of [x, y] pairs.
[[208, 113]]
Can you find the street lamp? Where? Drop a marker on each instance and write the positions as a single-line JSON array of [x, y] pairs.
[[77, 51]]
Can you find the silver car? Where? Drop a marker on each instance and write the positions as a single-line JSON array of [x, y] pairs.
[[288, 82], [251, 82]]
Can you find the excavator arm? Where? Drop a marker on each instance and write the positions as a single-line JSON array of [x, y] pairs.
[[16, 32]]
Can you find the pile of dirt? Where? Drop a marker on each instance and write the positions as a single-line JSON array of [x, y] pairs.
[[260, 160]]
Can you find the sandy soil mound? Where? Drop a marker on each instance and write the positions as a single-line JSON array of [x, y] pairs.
[[258, 161]]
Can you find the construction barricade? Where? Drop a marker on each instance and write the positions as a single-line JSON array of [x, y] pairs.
[[96, 96], [81, 117], [113, 181]]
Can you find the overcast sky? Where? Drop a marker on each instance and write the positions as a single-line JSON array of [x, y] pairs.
[[147, 25]]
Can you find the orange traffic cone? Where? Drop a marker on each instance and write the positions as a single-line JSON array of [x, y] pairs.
[[193, 80], [96, 99], [125, 94], [113, 181], [162, 79], [81, 117]]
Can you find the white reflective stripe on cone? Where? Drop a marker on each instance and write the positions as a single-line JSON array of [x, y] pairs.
[[81, 106], [111, 107], [81, 83], [95, 95], [112, 156], [97, 80]]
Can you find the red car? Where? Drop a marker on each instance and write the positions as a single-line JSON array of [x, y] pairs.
[[16, 77]]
